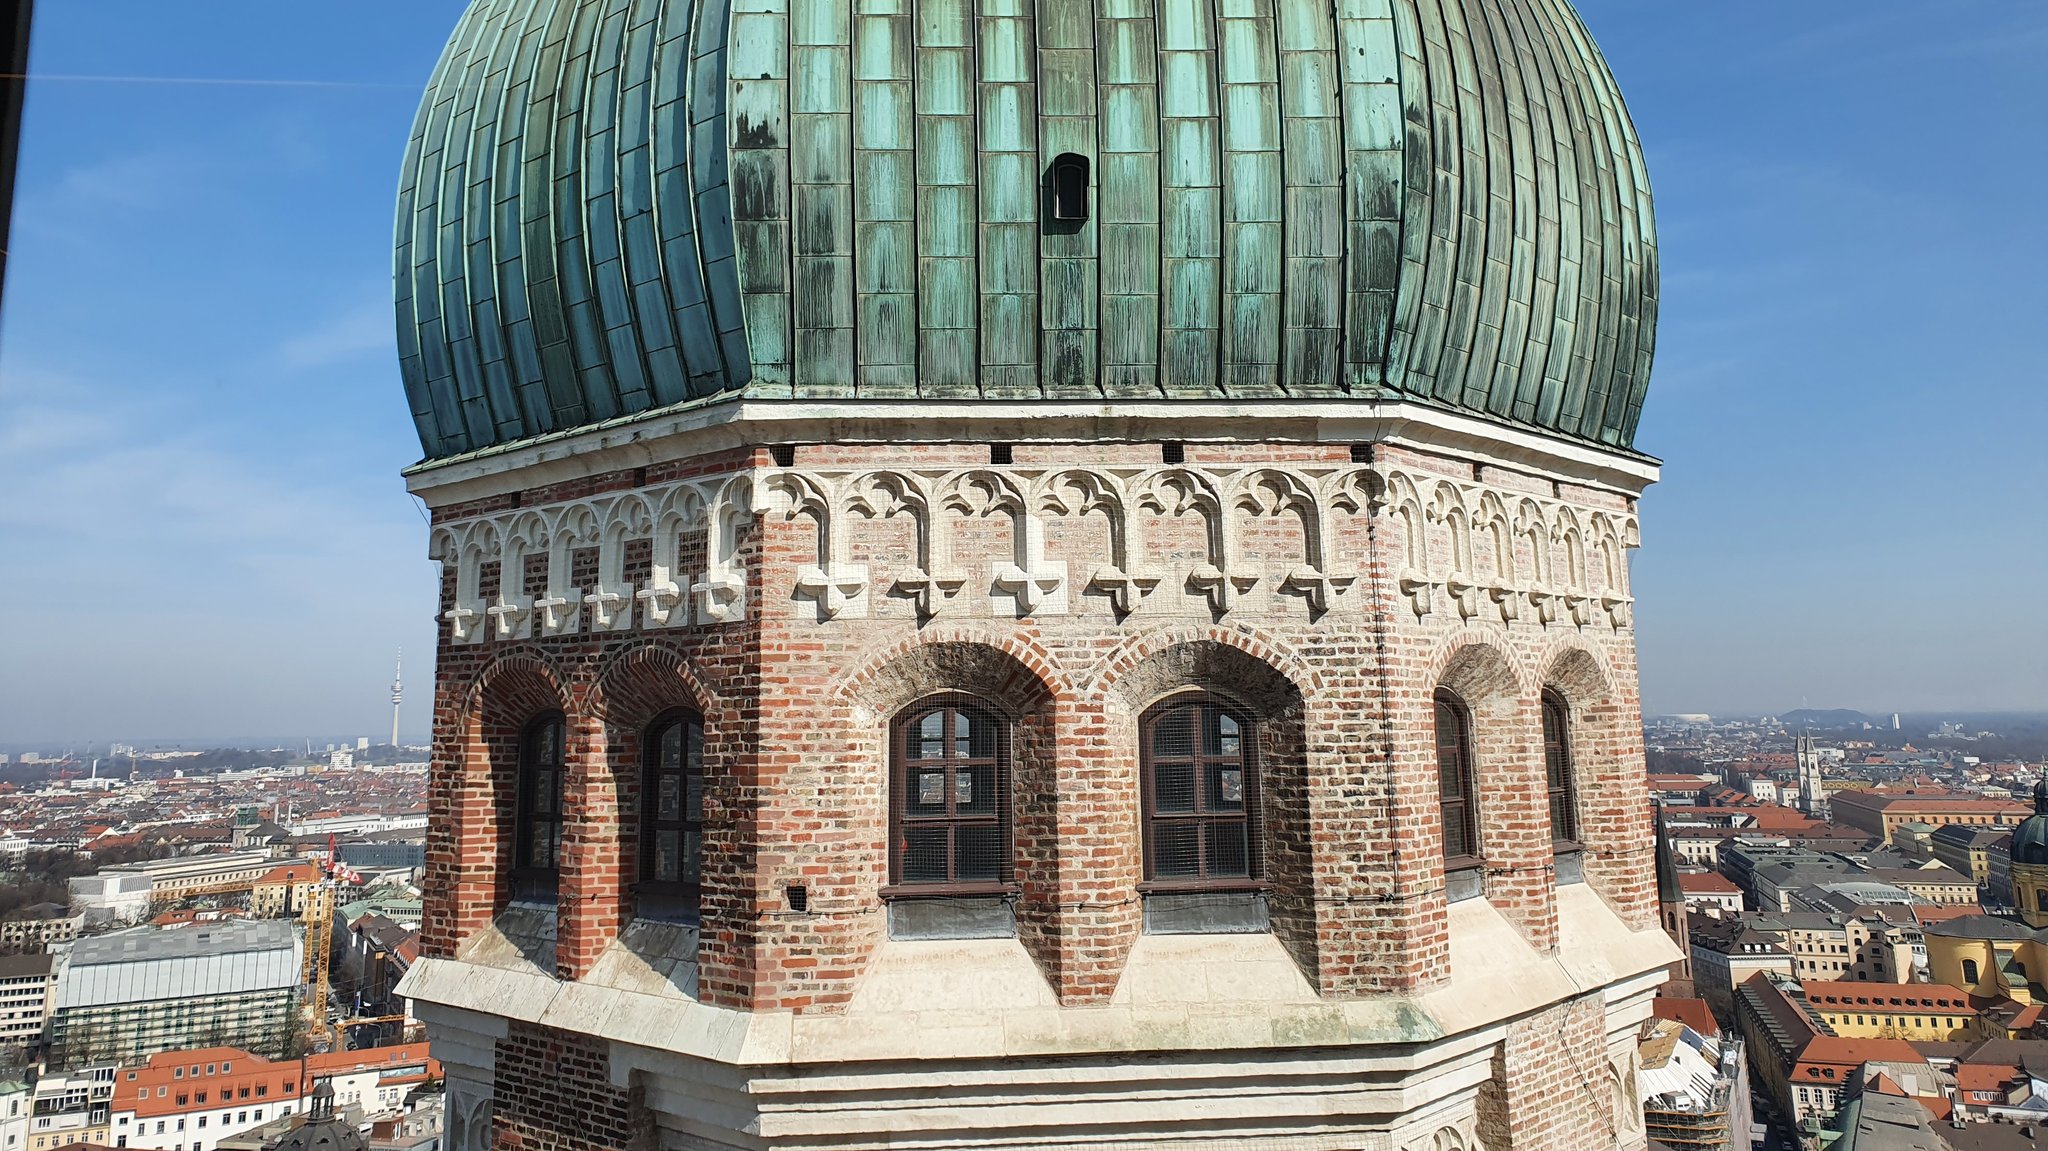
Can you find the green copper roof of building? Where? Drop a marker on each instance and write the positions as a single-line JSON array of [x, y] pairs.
[[615, 206]]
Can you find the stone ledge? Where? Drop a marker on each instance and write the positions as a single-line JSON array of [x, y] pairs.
[[922, 1001]]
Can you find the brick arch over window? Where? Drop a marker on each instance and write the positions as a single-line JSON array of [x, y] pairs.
[[1017, 684], [631, 691], [1608, 765], [1277, 706], [1513, 818], [474, 792]]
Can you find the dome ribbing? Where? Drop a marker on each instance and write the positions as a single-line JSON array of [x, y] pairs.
[[613, 206]]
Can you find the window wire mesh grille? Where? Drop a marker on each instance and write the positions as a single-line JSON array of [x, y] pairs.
[[1454, 777], [539, 828], [672, 806], [1200, 794], [950, 803], [1557, 764]]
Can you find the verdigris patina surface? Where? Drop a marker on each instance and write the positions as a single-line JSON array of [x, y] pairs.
[[615, 206]]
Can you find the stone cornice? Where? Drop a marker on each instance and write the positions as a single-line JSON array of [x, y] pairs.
[[693, 430]]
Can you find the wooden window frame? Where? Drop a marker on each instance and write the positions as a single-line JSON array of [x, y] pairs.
[[900, 820], [1150, 816], [1560, 770], [531, 881], [659, 898], [1465, 804]]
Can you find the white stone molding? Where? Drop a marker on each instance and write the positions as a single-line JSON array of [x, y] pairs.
[[1028, 583], [930, 582], [560, 611], [718, 506], [611, 602], [1177, 492], [1279, 491], [466, 546], [1455, 545], [512, 611], [720, 594], [1077, 492], [1529, 556], [839, 588]]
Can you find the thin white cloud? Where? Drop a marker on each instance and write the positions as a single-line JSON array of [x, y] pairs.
[[364, 330]]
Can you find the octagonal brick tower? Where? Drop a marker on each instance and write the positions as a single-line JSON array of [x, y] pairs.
[[1032, 574]]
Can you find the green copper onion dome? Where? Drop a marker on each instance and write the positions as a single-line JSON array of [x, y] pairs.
[[615, 206], [2030, 838]]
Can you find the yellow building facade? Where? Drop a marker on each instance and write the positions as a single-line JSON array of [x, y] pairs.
[[1916, 1011]]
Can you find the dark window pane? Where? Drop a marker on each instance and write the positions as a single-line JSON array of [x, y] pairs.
[[668, 864], [1228, 855], [951, 808], [978, 857], [1173, 734], [693, 797], [924, 855], [1199, 762], [1457, 835], [669, 804], [672, 748], [693, 857], [1173, 787], [543, 793], [1176, 850]]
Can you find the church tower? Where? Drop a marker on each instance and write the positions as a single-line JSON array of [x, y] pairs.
[[1671, 909], [2029, 852], [1813, 798], [1017, 574]]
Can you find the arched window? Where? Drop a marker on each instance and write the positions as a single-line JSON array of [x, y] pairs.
[[1456, 787], [1201, 786], [1970, 971], [537, 832], [671, 816], [1557, 766], [2041, 899], [949, 809]]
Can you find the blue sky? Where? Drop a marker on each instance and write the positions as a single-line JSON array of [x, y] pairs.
[[201, 426]]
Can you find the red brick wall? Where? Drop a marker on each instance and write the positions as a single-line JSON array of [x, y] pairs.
[[1552, 1088], [796, 713], [554, 1093]]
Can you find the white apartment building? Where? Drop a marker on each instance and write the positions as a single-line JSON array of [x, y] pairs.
[[26, 988]]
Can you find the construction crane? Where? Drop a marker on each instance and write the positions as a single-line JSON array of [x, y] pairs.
[[318, 913]]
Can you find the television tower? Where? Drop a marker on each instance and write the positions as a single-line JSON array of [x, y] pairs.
[[397, 693]]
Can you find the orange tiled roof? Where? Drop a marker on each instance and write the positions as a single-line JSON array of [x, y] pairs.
[[1830, 1060], [1706, 883], [1691, 1012]]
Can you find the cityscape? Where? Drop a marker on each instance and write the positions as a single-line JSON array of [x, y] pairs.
[[1062, 576]]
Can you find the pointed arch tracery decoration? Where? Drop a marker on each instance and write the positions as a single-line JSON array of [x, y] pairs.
[[1450, 544]]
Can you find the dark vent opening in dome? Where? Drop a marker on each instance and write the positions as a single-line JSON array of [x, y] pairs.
[[1172, 453], [999, 453], [784, 455], [1066, 193], [1361, 453]]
